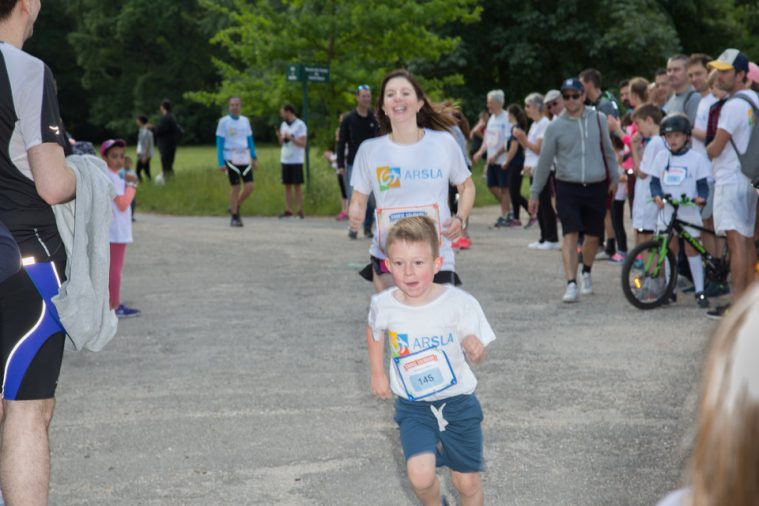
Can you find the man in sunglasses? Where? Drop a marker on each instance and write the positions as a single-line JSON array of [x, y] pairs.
[[586, 173], [355, 128]]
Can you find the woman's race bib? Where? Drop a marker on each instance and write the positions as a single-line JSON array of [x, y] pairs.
[[674, 176], [424, 373], [387, 216]]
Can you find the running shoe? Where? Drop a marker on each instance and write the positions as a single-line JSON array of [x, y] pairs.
[[352, 234], [456, 244], [548, 246], [713, 289], [235, 222], [701, 300], [534, 245], [602, 255], [465, 242], [718, 312], [516, 224], [300, 215], [617, 258], [587, 284], [570, 294], [342, 216], [368, 233], [123, 311], [530, 222], [286, 214], [501, 222]]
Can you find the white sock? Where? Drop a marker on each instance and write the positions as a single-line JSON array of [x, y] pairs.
[[697, 270]]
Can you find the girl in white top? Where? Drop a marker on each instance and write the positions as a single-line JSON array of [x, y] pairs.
[[120, 233], [409, 170]]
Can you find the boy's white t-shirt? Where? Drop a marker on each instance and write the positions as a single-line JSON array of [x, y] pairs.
[[737, 119], [121, 225], [429, 338], [702, 121], [291, 153], [235, 133], [678, 176], [410, 178], [537, 131], [497, 133], [645, 211]]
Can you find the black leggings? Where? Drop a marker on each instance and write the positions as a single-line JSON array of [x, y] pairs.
[[515, 190], [549, 231], [618, 222]]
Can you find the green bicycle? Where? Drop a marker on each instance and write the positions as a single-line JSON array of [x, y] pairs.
[[649, 273]]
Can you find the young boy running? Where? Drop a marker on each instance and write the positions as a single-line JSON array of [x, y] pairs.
[[432, 330], [682, 171]]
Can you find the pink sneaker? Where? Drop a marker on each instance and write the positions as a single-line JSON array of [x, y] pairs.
[[456, 244], [342, 216], [516, 224]]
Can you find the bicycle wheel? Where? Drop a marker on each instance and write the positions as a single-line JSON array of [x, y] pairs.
[[648, 280]]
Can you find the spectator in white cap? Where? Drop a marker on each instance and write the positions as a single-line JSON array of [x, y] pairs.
[[553, 104], [734, 197]]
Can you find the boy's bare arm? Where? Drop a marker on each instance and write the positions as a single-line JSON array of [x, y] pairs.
[[475, 350], [380, 383]]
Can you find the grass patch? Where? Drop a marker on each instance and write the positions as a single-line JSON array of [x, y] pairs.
[[201, 189]]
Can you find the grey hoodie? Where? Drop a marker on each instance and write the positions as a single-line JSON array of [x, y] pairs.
[[575, 145]]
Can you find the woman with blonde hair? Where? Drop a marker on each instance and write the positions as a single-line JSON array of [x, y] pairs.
[[724, 467]]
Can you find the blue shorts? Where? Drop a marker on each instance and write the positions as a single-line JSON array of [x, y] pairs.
[[459, 446], [498, 176]]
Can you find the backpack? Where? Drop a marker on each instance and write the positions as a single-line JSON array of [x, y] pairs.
[[750, 159]]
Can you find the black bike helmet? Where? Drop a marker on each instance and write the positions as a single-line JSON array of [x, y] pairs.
[[675, 122]]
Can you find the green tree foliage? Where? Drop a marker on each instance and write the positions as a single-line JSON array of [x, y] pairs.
[[49, 43], [359, 40], [524, 46], [135, 53]]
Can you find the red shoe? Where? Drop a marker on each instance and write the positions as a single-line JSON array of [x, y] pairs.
[[342, 216], [456, 244], [465, 242]]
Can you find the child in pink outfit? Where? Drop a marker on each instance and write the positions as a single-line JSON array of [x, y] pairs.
[[120, 233]]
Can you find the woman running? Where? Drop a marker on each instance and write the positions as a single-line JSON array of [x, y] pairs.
[[408, 169]]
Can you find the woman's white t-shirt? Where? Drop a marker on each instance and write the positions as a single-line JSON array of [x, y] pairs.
[[427, 360], [121, 225], [408, 179], [536, 132]]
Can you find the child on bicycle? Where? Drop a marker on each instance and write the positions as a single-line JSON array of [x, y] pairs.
[[682, 173]]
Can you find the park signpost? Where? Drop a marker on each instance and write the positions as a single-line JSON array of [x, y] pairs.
[[305, 74]]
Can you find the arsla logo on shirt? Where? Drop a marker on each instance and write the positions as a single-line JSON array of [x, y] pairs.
[[388, 177], [399, 344]]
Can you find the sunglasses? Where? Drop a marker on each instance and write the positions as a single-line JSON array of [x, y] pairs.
[[362, 87], [571, 96]]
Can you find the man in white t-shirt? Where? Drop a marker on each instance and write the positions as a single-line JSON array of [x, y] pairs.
[[497, 135], [292, 136], [734, 197], [236, 155]]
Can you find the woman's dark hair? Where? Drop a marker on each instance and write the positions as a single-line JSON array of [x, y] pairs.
[[166, 104], [518, 113], [142, 118], [427, 117]]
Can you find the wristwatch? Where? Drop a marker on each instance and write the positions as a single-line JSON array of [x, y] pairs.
[[462, 220]]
